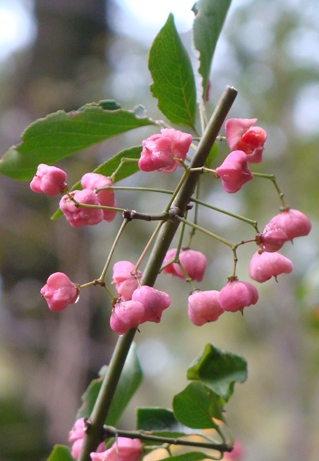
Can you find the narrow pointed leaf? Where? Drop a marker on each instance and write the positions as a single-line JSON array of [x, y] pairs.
[[212, 155], [218, 370], [61, 134], [130, 380], [196, 406], [171, 69], [60, 453], [208, 23]]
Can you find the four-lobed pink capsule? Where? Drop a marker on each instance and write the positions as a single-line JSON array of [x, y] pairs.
[[160, 151], [59, 291], [48, 180]]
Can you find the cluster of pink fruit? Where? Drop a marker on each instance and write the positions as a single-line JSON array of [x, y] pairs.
[[137, 304], [123, 450], [51, 181]]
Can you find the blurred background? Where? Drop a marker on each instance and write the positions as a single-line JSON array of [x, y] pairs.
[[62, 54]]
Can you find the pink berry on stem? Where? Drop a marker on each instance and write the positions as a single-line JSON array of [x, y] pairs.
[[180, 146], [124, 279], [154, 302], [159, 151], [59, 291], [264, 265], [272, 237], [294, 223], [242, 135], [126, 315], [203, 307], [234, 171], [194, 263], [123, 450], [76, 436], [48, 180], [105, 197], [236, 295], [79, 216], [77, 431]]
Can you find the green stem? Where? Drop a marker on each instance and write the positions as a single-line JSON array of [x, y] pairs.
[[192, 232], [123, 160], [149, 243], [110, 431], [273, 180], [233, 215], [205, 231], [102, 276], [185, 190], [137, 189]]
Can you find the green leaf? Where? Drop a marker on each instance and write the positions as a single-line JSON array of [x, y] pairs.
[[156, 419], [212, 155], [191, 456], [108, 167], [172, 73], [196, 406], [218, 370], [60, 453], [208, 23], [130, 380], [62, 134]]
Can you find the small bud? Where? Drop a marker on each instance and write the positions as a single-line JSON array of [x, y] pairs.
[[294, 223], [241, 135], [203, 307], [125, 281], [159, 150], [78, 216], [59, 291], [48, 180], [237, 295], [126, 315], [123, 450], [272, 237], [154, 302], [93, 181], [265, 265], [194, 263], [234, 171]]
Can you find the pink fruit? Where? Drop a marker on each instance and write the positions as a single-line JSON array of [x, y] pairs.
[[234, 171], [265, 265], [76, 436], [241, 135], [126, 315], [272, 237], [77, 431], [203, 307], [93, 181], [59, 291], [78, 216], [48, 180], [154, 302], [123, 450], [294, 223], [124, 279], [159, 151], [237, 295], [194, 263]]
